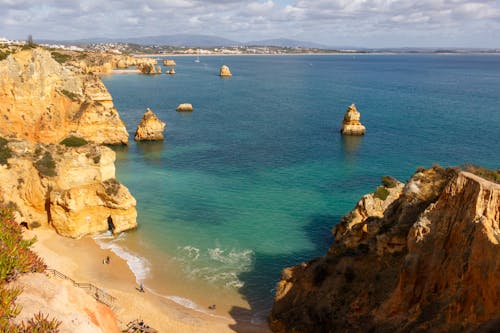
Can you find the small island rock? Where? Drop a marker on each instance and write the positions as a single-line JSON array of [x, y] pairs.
[[169, 62], [224, 71], [185, 107], [351, 124], [171, 71], [150, 128]]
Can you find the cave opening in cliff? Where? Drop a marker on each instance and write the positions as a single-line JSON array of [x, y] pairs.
[[111, 225]]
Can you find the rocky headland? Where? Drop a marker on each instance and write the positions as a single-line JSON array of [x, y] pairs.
[[150, 128], [351, 124], [44, 100], [72, 189], [423, 257]]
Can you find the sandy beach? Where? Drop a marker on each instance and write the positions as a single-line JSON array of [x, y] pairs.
[[82, 260]]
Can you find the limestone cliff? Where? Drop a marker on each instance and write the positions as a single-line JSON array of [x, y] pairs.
[[150, 128], [43, 100], [73, 189], [419, 258], [351, 124]]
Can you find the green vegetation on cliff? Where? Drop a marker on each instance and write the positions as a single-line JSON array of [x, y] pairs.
[[16, 258], [5, 152]]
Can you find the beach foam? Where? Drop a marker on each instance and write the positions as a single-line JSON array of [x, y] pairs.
[[139, 266], [215, 265]]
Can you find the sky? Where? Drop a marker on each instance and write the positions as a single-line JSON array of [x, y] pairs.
[[359, 23]]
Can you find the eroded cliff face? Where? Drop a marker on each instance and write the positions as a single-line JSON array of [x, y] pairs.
[[42, 100], [422, 258], [72, 189]]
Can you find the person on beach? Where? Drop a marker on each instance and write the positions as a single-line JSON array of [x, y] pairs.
[[107, 259], [141, 288]]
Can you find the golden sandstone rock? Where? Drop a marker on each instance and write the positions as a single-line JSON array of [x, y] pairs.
[[185, 107], [73, 189], [169, 62], [171, 71], [44, 101], [150, 128], [351, 124], [423, 257], [224, 71]]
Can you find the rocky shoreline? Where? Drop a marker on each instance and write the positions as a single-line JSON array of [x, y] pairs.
[[423, 257]]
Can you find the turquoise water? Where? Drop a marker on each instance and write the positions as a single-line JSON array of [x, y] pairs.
[[255, 178]]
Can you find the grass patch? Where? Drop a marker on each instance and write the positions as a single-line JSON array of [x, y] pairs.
[[46, 165], [60, 57], [72, 96], [488, 174], [4, 55], [389, 182], [381, 192], [5, 152], [111, 186], [74, 141]]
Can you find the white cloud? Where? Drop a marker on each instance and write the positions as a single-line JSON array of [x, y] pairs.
[[334, 22]]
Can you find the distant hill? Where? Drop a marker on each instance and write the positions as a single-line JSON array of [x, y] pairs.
[[284, 42], [188, 40]]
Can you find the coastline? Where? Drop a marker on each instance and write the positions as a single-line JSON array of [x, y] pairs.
[[82, 260]]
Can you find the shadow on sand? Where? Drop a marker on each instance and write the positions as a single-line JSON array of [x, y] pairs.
[[258, 293]]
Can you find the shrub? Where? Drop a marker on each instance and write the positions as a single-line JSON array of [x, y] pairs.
[[381, 192], [60, 57], [16, 258], [46, 165], [485, 173], [112, 186], [73, 141], [5, 152], [389, 182], [70, 95]]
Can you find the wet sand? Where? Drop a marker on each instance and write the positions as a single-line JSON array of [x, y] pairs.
[[82, 260]]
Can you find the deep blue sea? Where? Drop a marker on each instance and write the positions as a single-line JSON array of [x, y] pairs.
[[254, 179]]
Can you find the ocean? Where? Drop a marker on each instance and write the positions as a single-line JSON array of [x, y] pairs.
[[254, 179]]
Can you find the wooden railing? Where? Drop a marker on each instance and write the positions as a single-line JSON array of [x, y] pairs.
[[99, 294]]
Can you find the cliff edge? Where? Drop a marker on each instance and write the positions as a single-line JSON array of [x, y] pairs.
[[45, 100], [72, 189], [423, 257]]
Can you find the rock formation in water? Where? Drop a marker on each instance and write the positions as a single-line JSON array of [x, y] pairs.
[[149, 69], [45, 101], [169, 62], [171, 71], [184, 107], [420, 258], [351, 124], [224, 71], [150, 128], [73, 189]]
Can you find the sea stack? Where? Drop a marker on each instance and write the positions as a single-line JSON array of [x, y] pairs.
[[169, 62], [224, 71], [351, 124], [171, 71], [150, 128], [184, 107]]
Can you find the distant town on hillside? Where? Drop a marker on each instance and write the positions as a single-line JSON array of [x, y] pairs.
[[208, 45]]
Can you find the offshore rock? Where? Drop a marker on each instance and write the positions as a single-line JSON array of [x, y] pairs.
[[149, 69], [224, 71], [426, 259], [184, 107], [45, 101], [171, 71], [74, 190], [351, 124], [169, 62], [150, 128]]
